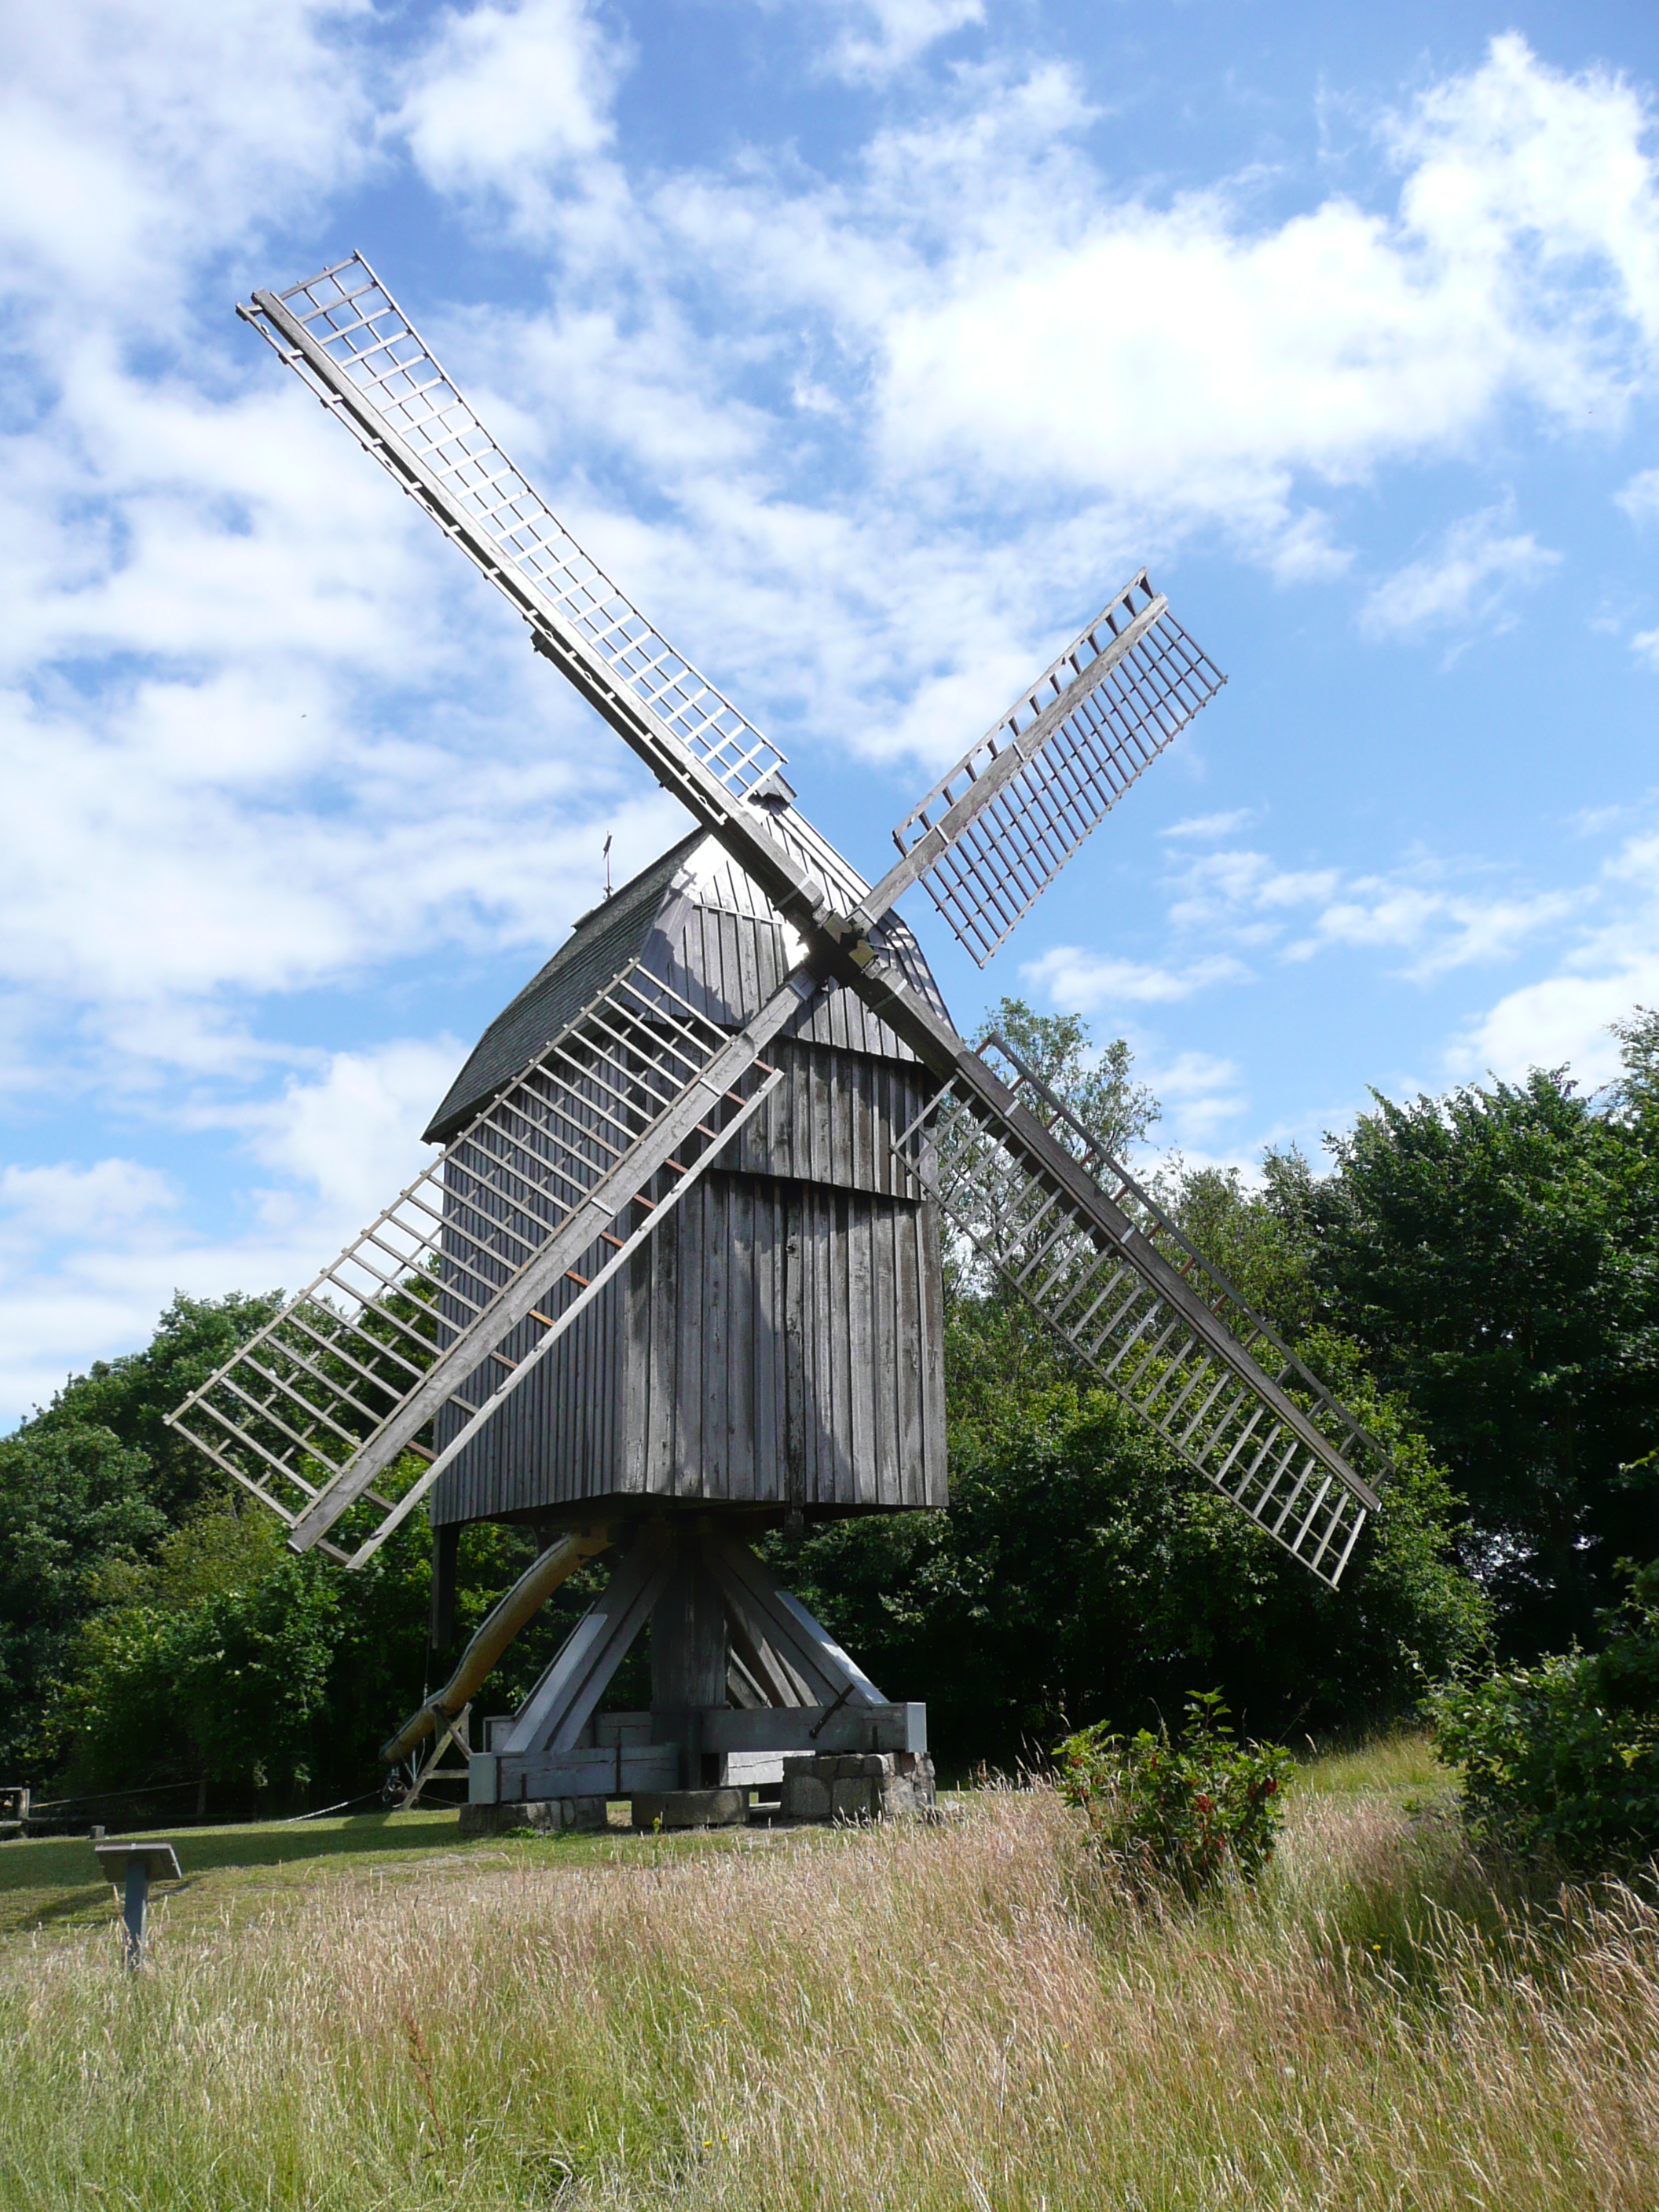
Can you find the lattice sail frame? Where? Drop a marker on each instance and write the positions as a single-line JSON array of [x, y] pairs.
[[576, 1160], [1197, 1380], [351, 316], [994, 833], [411, 416]]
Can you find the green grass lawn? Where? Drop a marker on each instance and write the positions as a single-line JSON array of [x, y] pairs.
[[53, 1882], [355, 2015], [1401, 1768]]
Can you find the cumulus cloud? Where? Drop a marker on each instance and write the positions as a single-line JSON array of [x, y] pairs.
[[1195, 362], [872, 40], [1560, 1021], [1087, 982], [1640, 497], [1609, 967], [505, 101], [348, 1135], [134, 140], [1469, 578], [41, 1205], [1437, 916], [1201, 1096], [93, 1253]]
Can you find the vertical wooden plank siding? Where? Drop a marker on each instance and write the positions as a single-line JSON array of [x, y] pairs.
[[780, 1337], [768, 1328]]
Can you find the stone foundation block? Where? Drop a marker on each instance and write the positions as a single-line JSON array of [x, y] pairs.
[[867, 1785], [549, 1814], [691, 1809]]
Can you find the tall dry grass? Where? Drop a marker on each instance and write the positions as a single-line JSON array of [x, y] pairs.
[[967, 2017]]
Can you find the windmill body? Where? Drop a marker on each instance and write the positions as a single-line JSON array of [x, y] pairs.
[[675, 1276], [776, 1345]]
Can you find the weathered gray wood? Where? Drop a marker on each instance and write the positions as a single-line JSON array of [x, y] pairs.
[[737, 1362], [617, 1771], [707, 1299], [688, 1637], [850, 1727], [800, 1727], [769, 1614], [557, 1711]]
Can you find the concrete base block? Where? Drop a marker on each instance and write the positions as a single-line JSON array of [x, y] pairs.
[[551, 1814], [691, 1809], [870, 1785]]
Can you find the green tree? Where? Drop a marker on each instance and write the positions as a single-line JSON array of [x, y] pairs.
[[1084, 1574], [89, 1486], [72, 1500], [1097, 1085], [1561, 1760], [132, 1395], [1493, 1254]]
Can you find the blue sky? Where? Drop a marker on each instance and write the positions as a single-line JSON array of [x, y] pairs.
[[871, 343]]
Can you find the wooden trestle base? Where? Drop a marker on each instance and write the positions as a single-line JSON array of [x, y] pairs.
[[747, 1692]]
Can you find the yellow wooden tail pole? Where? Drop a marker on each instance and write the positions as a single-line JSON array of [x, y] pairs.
[[499, 1627]]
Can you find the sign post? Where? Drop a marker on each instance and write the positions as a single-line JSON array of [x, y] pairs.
[[132, 1867]]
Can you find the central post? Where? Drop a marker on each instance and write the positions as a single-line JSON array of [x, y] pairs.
[[689, 1662]]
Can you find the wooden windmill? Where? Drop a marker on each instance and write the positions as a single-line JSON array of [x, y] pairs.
[[675, 1276]]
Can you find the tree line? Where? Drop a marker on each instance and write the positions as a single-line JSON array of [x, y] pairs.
[[1476, 1274]]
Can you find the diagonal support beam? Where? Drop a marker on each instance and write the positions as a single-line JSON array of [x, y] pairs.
[[505, 1618], [769, 1614], [554, 1715]]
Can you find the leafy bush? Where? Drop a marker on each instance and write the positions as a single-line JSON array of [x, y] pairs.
[[1561, 1760], [1188, 1810]]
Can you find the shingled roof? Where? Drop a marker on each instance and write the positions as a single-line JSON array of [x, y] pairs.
[[619, 930]]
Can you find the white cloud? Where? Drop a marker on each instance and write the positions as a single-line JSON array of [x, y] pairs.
[[510, 100], [1420, 910], [876, 39], [1205, 827], [1083, 982], [1640, 496], [1443, 930], [93, 1253], [1560, 1021], [1468, 579], [1193, 363], [348, 1139], [1200, 1094], [1646, 643], [40, 1206], [134, 139], [1610, 966]]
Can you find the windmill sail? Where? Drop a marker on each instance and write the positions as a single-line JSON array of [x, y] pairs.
[[1138, 1303], [986, 841], [558, 1179], [349, 338], [993, 835]]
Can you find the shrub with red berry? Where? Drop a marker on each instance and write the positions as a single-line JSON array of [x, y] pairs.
[[1190, 1809]]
